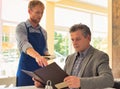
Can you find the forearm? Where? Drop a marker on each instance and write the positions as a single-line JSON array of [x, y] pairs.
[[31, 52], [38, 58]]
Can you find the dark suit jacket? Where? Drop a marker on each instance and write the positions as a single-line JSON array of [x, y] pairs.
[[95, 71]]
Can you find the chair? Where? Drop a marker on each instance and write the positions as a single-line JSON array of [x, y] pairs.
[[8, 82], [116, 84]]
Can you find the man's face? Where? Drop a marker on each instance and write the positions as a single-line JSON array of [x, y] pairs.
[[36, 14], [80, 43]]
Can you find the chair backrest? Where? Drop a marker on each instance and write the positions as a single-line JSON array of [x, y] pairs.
[[116, 84], [9, 81]]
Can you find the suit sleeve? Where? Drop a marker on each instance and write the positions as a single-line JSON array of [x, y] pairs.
[[103, 77]]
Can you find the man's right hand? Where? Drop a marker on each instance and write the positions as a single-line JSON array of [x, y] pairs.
[[37, 83], [41, 61]]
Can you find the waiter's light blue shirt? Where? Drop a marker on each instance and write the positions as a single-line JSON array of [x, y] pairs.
[[21, 35]]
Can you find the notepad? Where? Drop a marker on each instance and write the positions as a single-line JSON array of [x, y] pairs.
[[50, 72], [61, 85]]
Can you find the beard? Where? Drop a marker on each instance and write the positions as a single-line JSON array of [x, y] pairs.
[[36, 21]]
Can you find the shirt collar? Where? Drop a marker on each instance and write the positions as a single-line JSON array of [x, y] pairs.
[[84, 53], [30, 26]]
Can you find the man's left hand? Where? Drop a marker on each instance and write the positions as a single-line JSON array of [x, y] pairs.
[[72, 81]]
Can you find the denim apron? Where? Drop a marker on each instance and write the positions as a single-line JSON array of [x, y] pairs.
[[26, 62]]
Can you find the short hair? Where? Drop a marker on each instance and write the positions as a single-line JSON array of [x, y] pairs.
[[33, 3], [82, 27]]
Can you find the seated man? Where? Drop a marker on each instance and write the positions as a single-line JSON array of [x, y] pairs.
[[88, 67]]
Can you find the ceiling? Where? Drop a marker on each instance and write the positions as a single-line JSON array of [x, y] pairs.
[[102, 3]]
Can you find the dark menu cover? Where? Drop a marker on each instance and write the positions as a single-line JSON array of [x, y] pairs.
[[50, 72]]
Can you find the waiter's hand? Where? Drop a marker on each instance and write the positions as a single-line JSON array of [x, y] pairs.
[[72, 81], [41, 61]]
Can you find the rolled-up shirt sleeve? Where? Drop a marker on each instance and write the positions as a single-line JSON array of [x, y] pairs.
[[22, 39]]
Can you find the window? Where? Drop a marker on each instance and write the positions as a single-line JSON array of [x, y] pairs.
[[15, 13], [9, 52], [65, 18], [100, 32], [10, 17], [61, 45]]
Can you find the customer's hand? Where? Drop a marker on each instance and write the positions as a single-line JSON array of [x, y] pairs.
[[37, 83], [72, 81], [41, 61]]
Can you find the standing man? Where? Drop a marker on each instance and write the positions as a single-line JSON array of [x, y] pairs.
[[32, 43], [88, 68]]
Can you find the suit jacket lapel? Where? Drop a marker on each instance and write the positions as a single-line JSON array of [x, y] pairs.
[[72, 63], [86, 60]]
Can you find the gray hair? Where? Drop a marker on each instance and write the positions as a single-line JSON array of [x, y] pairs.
[[82, 27]]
